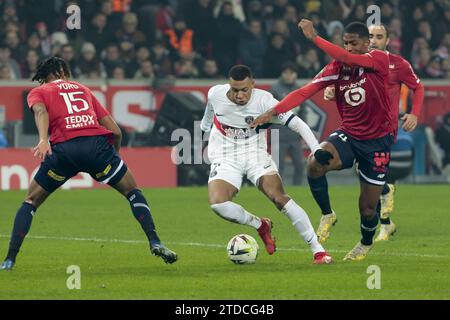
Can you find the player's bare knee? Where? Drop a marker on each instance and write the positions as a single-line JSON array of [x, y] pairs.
[[279, 199]]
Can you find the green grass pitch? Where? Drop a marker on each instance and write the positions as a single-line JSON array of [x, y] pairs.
[[95, 230]]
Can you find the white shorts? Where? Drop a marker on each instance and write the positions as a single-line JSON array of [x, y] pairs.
[[233, 170]]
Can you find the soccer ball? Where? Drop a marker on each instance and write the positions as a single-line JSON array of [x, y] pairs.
[[242, 249]]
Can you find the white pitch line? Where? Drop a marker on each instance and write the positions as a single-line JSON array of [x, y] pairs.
[[212, 245]]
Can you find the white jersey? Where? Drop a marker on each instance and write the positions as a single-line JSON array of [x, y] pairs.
[[231, 134]]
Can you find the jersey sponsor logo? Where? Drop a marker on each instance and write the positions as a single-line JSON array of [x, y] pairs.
[[392, 66], [353, 85]]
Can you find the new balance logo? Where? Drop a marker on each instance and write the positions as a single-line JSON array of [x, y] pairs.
[[381, 176]]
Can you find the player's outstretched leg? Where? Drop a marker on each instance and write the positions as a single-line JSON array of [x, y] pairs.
[[141, 211], [22, 223], [387, 227], [318, 185], [272, 187], [220, 195]]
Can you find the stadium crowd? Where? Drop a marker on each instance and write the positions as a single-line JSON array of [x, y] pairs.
[[149, 39]]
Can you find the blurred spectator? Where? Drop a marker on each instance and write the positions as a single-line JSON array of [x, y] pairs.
[[443, 50], [186, 69], [112, 59], [276, 54], [254, 10], [165, 16], [129, 35], [252, 45], [209, 70], [226, 41], [237, 7], [309, 63], [11, 65], [68, 54], [387, 13], [290, 145], [89, 65], [34, 43], [200, 18], [44, 38], [180, 39], [145, 71], [5, 72], [358, 14], [424, 30], [434, 69], [161, 60], [280, 26], [29, 67], [279, 8], [142, 54], [13, 42], [98, 32], [442, 137], [58, 39], [118, 73]]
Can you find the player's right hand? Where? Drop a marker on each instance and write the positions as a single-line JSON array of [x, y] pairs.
[[323, 157], [42, 149], [329, 94]]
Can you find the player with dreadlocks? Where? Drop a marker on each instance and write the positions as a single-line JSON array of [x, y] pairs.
[[76, 134]]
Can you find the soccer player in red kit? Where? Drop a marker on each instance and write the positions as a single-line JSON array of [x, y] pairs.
[[360, 78], [400, 72], [76, 134]]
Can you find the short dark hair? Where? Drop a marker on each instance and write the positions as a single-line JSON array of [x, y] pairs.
[[358, 28], [240, 72]]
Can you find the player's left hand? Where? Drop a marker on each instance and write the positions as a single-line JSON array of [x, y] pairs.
[[264, 118], [410, 122], [42, 149], [307, 28]]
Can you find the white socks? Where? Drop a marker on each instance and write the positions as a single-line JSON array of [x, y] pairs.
[[235, 213], [301, 222]]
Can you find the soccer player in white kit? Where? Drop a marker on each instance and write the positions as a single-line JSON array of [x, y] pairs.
[[236, 151]]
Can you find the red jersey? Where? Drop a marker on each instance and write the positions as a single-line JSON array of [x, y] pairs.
[[72, 108], [401, 72], [361, 94]]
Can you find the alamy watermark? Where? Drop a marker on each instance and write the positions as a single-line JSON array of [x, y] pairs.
[[74, 280], [190, 148], [73, 22], [374, 280]]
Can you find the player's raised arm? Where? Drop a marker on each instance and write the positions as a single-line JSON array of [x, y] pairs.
[[327, 76], [42, 123], [365, 60]]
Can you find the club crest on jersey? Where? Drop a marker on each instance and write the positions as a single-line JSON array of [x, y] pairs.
[[249, 119]]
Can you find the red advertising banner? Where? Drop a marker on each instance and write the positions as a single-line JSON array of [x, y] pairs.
[[152, 167]]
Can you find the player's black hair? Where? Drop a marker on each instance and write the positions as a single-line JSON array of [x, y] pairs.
[[52, 65], [240, 72], [384, 27], [358, 28]]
